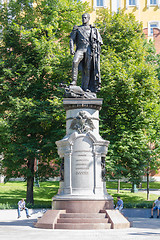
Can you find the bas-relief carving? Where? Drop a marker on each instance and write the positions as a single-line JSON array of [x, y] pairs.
[[103, 169], [62, 170], [82, 123]]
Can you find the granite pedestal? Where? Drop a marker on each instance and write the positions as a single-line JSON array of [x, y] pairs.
[[83, 152]]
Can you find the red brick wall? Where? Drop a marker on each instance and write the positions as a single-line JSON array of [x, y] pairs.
[[145, 31], [156, 37], [153, 173]]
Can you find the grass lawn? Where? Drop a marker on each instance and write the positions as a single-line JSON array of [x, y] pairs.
[[12, 192], [128, 185], [132, 200]]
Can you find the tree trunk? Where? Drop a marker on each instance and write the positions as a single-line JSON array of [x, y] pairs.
[[119, 183], [132, 190], [30, 181], [147, 183]]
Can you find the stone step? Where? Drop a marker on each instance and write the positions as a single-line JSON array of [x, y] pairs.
[[83, 215], [82, 220], [83, 226]]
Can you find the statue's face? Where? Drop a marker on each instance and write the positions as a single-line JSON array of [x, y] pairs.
[[85, 18]]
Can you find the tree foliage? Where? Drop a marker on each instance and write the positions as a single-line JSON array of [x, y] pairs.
[[130, 90], [34, 60]]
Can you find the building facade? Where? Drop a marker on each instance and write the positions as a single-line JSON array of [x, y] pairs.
[[145, 11]]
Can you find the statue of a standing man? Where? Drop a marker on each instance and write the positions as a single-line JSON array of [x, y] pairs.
[[87, 55]]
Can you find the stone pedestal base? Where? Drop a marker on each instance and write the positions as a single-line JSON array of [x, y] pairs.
[[59, 219], [82, 206]]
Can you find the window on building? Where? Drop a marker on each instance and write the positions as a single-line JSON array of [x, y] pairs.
[[132, 2], [153, 2], [99, 3], [152, 25]]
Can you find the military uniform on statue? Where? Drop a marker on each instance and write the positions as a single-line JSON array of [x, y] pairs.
[[87, 56]]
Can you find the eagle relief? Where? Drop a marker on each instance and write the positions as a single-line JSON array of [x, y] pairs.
[[82, 123]]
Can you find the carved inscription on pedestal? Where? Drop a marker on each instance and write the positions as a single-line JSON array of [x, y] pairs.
[[82, 170], [82, 164]]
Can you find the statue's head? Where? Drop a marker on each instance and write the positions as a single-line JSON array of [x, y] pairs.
[[85, 18]]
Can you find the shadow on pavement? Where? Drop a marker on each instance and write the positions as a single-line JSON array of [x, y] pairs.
[[146, 223], [27, 222], [144, 233]]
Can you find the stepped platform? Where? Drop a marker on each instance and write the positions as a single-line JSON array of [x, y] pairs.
[[105, 219]]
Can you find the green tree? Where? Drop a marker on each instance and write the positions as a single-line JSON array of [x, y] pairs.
[[34, 60], [152, 132], [130, 91]]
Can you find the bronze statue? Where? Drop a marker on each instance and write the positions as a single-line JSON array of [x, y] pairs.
[[87, 55]]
